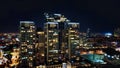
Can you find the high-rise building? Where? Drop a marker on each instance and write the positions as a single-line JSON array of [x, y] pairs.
[[117, 32], [63, 44], [73, 41], [27, 46], [67, 34], [61, 22], [40, 48], [52, 42]]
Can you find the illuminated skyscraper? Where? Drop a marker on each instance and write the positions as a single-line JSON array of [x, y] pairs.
[[61, 22], [27, 46], [63, 41], [40, 48], [67, 37], [73, 40], [52, 43]]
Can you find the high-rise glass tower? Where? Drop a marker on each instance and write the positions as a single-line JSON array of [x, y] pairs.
[[73, 41], [40, 48], [57, 23], [27, 46], [67, 34], [52, 43]]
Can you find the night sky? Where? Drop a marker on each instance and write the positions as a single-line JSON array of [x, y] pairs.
[[99, 15]]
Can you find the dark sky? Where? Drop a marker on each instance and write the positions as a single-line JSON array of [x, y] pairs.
[[99, 15]]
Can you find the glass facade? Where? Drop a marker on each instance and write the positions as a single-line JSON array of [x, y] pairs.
[[73, 40], [27, 38], [52, 43], [62, 38]]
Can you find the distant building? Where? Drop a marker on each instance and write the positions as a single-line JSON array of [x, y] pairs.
[[117, 32], [88, 33], [108, 35], [27, 40]]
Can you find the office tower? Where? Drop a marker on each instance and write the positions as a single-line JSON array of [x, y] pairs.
[[73, 41], [52, 43], [67, 36], [40, 48], [63, 44], [61, 31], [27, 40]]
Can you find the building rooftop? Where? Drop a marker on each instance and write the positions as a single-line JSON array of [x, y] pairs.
[[52, 23], [73, 23], [26, 22]]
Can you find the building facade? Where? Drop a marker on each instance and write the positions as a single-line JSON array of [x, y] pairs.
[[52, 42], [73, 41], [27, 43], [67, 37], [40, 48]]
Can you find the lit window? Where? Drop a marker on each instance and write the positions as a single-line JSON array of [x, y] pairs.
[[27, 40], [31, 36], [30, 58], [52, 25], [50, 30], [30, 52], [72, 31], [22, 31], [22, 27]]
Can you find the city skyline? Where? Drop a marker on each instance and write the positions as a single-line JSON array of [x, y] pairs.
[[59, 45], [100, 16]]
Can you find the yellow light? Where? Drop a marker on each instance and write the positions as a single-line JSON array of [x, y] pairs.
[[72, 31], [40, 32], [31, 36], [42, 54]]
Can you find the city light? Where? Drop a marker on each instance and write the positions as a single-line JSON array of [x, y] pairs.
[[60, 44]]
